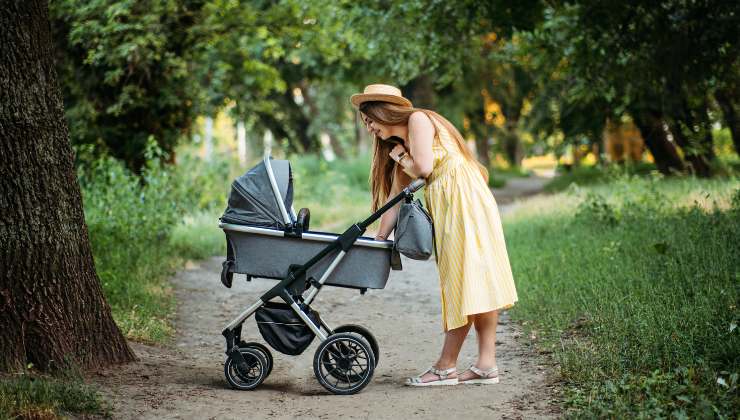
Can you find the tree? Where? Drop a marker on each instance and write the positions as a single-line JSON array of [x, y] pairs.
[[657, 61], [53, 312], [124, 70]]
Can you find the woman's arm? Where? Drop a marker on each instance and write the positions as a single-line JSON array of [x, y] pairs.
[[419, 159]]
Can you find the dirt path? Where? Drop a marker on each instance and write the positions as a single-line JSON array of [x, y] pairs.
[[186, 380]]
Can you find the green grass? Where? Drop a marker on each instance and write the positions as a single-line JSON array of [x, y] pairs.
[[337, 193], [198, 236], [633, 285], [590, 175], [28, 396], [499, 176], [143, 227]]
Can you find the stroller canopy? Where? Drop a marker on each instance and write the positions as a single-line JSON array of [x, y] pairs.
[[263, 196]]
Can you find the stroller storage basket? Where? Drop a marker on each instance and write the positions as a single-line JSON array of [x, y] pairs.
[[283, 329]]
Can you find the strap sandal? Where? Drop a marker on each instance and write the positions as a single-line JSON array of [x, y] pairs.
[[442, 374], [489, 376]]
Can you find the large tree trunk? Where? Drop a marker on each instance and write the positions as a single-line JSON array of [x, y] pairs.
[[664, 152], [52, 309]]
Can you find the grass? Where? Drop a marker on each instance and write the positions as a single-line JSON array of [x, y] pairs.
[[633, 286], [143, 227], [498, 176], [29, 396], [590, 175]]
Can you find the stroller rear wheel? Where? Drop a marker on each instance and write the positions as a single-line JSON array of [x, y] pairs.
[[262, 349], [249, 375], [344, 363]]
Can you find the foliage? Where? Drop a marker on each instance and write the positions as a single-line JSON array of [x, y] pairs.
[[30, 396], [123, 67], [532, 75], [653, 60], [131, 221], [337, 193], [633, 286]]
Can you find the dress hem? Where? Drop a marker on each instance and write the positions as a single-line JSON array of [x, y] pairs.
[[504, 307]]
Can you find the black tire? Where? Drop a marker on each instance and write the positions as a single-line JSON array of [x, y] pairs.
[[335, 361], [249, 378], [265, 353], [365, 333]]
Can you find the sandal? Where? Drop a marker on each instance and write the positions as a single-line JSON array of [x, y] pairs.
[[489, 376], [442, 374]]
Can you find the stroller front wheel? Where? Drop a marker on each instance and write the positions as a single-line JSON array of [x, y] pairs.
[[344, 363], [262, 349], [249, 375]]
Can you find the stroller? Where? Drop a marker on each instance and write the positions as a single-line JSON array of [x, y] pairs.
[[266, 239]]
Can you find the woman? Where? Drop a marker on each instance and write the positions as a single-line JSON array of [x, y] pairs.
[[474, 272]]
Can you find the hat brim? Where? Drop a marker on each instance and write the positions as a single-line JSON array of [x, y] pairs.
[[359, 98]]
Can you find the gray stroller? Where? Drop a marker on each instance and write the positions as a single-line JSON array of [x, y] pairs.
[[266, 239]]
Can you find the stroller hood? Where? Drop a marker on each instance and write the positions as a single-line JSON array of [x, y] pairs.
[[254, 199]]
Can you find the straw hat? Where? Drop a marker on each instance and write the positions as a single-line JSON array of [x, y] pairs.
[[380, 92]]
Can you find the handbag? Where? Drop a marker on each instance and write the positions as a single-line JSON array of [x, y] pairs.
[[414, 232]]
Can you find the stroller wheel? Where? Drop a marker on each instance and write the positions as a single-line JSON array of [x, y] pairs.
[[248, 376], [344, 363], [365, 333], [262, 349]]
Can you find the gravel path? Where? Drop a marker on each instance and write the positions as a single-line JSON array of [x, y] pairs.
[[185, 379]]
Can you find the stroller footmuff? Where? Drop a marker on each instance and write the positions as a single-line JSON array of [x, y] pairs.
[[283, 329]]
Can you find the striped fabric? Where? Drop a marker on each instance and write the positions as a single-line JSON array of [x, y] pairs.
[[474, 271]]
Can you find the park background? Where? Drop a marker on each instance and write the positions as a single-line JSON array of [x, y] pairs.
[[627, 268]]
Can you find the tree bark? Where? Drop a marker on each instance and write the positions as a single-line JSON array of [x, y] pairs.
[[52, 310], [664, 152]]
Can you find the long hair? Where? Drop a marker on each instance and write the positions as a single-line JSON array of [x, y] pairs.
[[384, 169]]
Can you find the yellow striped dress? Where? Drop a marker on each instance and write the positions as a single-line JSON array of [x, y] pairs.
[[474, 271]]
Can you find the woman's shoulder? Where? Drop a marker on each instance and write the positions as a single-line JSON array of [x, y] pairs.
[[420, 118]]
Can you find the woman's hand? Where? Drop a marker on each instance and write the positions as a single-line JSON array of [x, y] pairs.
[[398, 152]]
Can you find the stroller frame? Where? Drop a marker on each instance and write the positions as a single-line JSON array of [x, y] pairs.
[[293, 286]]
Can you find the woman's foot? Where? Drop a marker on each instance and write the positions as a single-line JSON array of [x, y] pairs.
[[474, 375], [434, 376]]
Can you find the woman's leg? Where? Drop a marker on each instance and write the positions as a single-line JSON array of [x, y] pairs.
[[485, 327], [450, 350]]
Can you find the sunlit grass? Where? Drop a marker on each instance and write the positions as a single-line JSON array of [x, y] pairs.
[[633, 285]]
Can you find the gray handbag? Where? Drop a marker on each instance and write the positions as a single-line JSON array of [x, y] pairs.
[[414, 233]]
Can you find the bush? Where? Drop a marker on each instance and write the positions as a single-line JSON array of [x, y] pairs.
[[142, 226]]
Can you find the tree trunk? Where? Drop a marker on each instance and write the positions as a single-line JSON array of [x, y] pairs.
[[512, 145], [664, 152], [697, 163], [208, 138], [480, 132], [420, 92], [728, 103], [52, 309], [241, 142]]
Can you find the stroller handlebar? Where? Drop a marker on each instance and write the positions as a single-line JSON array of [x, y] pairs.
[[416, 185]]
